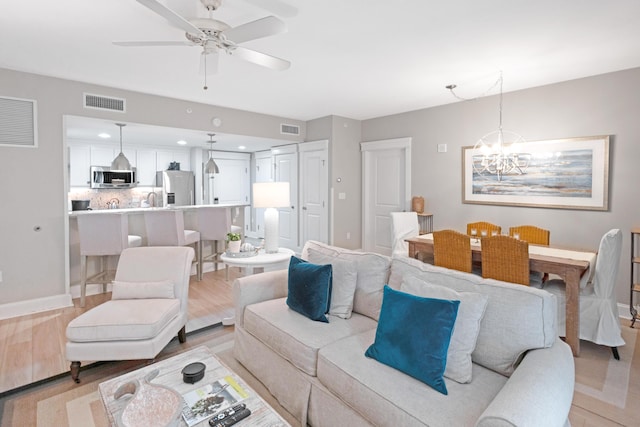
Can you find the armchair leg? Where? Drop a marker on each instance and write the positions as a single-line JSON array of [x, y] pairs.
[[182, 335], [614, 350], [75, 371]]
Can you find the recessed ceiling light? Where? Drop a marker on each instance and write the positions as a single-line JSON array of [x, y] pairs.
[[242, 147], [182, 142], [104, 135]]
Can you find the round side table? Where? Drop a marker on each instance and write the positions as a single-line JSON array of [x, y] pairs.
[[260, 261]]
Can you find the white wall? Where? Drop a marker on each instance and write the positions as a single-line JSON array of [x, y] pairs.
[[32, 180], [603, 105]]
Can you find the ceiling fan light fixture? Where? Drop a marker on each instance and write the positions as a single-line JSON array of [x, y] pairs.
[[120, 163]]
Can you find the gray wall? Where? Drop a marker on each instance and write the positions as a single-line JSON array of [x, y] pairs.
[[344, 137], [33, 179], [602, 105]]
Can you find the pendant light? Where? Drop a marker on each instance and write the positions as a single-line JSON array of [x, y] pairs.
[[211, 167], [120, 163]]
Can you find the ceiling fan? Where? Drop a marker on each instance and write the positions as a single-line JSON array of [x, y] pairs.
[[215, 36]]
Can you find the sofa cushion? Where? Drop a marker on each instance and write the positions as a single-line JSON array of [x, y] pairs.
[[141, 290], [121, 320], [345, 276], [295, 337], [309, 290], [386, 396], [373, 274], [517, 318], [413, 335], [467, 327]]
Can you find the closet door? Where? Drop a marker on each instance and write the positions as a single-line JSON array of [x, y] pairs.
[[314, 178], [285, 163]]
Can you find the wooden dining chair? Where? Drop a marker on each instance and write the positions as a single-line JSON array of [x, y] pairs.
[[531, 234], [536, 236], [452, 249], [505, 258], [483, 226]]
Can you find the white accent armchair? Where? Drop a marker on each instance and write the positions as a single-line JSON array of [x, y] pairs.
[[148, 308], [599, 320]]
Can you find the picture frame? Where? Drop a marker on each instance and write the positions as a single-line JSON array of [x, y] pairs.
[[570, 173]]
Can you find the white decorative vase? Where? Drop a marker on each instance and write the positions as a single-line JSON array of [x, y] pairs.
[[234, 246]]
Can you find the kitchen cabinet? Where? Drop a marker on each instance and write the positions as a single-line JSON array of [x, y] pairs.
[[146, 167], [102, 156], [79, 164], [165, 157]]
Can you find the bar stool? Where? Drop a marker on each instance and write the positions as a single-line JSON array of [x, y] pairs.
[[166, 228], [102, 235], [213, 225]]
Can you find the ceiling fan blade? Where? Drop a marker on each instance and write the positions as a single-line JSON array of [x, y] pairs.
[[211, 61], [260, 58], [264, 27], [277, 7], [171, 16], [154, 43]]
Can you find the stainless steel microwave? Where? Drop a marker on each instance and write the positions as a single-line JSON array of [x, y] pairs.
[[104, 177]]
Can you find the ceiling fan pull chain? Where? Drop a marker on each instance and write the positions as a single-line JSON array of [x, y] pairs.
[[205, 73]]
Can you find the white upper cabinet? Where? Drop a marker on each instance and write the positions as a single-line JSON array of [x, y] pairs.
[[79, 165], [102, 156], [165, 157], [146, 167]]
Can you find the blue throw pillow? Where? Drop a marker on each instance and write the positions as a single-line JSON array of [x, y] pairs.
[[309, 289], [413, 336]]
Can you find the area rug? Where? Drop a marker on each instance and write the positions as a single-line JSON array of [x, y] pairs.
[[61, 402], [607, 387]]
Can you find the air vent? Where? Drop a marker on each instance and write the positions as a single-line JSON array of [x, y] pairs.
[[18, 122], [100, 102], [289, 129]]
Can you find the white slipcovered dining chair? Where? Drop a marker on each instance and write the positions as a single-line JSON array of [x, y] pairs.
[[213, 224], [403, 226], [599, 321], [149, 306]]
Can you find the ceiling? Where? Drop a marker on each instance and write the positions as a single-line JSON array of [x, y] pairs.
[[354, 58]]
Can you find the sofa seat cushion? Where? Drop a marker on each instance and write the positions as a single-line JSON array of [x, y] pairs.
[[123, 320], [386, 396], [295, 337]]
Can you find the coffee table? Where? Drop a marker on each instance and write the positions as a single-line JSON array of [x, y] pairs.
[[170, 375], [262, 260]]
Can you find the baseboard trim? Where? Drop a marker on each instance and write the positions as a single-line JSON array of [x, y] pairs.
[[624, 311], [38, 305]]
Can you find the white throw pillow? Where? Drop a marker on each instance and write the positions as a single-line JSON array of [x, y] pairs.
[[345, 278], [466, 329], [142, 290]]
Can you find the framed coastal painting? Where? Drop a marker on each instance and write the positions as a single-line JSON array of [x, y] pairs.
[[570, 173]]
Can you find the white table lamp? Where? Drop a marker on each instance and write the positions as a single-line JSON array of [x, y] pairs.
[[271, 195]]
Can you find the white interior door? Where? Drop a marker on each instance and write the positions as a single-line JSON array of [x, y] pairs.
[[286, 170], [263, 173], [386, 188], [314, 192], [231, 185]]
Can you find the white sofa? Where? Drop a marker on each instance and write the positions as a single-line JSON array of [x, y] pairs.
[[522, 374]]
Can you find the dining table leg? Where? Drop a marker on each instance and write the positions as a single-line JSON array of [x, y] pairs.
[[572, 293]]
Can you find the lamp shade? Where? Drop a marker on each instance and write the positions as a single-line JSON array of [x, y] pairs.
[[271, 194]]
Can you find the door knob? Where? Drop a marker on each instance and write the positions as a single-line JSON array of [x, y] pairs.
[[304, 208]]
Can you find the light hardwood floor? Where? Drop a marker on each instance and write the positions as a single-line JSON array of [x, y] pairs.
[[33, 346]]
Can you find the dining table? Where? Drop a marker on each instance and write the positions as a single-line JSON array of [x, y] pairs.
[[575, 267]]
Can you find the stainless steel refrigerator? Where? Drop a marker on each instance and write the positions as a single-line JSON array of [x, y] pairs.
[[178, 187]]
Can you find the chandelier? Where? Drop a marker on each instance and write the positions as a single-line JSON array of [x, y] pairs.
[[498, 153]]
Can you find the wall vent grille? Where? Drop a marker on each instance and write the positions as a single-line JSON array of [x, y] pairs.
[[289, 129], [18, 122], [100, 102]]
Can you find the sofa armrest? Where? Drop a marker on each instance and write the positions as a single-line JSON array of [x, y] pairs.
[[539, 393], [257, 288]]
